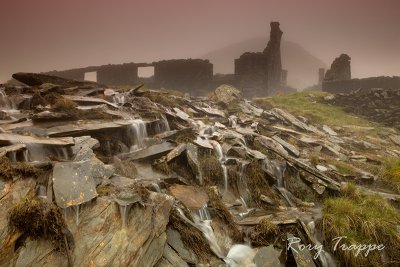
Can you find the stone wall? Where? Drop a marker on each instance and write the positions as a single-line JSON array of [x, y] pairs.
[[366, 84], [183, 74], [251, 74], [125, 74]]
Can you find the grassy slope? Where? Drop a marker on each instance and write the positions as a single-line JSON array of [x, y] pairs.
[[308, 104]]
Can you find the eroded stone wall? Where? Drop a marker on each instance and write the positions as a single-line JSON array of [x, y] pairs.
[[183, 74], [346, 86]]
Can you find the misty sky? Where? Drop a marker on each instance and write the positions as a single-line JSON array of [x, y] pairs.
[[43, 35]]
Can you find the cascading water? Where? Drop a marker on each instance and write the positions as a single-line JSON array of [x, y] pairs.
[[124, 212], [13, 156], [165, 122], [119, 99], [204, 214], [6, 103], [218, 150], [138, 133], [76, 208], [325, 258], [25, 155], [206, 229], [277, 170]]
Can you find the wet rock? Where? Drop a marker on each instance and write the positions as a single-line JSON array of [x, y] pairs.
[[285, 116], [269, 143], [321, 168], [267, 256], [10, 195], [329, 130], [171, 259], [176, 152], [225, 94], [157, 150], [12, 149], [395, 139], [191, 197], [102, 242], [193, 160], [89, 100], [203, 143], [267, 200], [51, 116], [289, 147], [303, 256], [175, 241], [83, 148], [73, 183], [30, 140]]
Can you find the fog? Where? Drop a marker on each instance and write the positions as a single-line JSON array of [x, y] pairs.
[[44, 35]]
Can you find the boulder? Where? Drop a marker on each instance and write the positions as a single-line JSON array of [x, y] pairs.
[[225, 94]]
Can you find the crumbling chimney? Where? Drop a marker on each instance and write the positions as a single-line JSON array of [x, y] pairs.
[[273, 53]]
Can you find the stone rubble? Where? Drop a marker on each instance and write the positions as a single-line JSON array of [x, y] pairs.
[[181, 185]]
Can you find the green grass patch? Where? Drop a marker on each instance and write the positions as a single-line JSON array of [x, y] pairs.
[[309, 104], [390, 174], [363, 219]]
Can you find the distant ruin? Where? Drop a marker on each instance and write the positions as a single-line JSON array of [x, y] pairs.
[[256, 74], [338, 79]]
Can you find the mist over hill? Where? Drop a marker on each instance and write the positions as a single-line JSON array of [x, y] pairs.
[[301, 64]]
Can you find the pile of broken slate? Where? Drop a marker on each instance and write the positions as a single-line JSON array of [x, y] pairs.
[[141, 177]]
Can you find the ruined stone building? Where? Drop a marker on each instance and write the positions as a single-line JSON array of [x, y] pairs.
[[256, 74], [261, 73], [338, 79]]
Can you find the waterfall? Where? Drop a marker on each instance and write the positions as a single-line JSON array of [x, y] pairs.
[[156, 187], [124, 212], [218, 150], [42, 191], [325, 258], [205, 227], [6, 103], [76, 208], [13, 156], [204, 213], [165, 122], [244, 203], [25, 155], [240, 255], [138, 133], [233, 121], [119, 99]]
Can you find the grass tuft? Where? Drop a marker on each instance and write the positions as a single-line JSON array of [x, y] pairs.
[[363, 219], [9, 170], [38, 219], [390, 174], [264, 233], [223, 213]]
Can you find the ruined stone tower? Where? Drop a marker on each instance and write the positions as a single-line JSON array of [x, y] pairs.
[[260, 74], [340, 69], [273, 53]]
